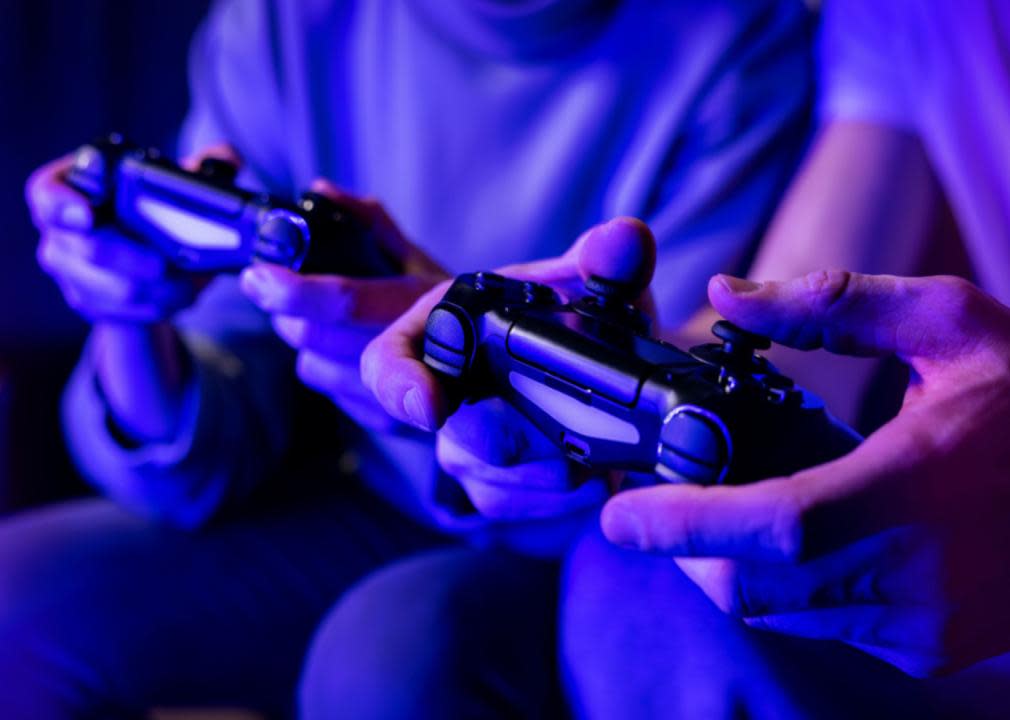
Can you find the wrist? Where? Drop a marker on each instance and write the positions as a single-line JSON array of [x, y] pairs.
[[143, 372]]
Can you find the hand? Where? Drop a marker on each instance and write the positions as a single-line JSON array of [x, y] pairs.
[[104, 275], [901, 547], [128, 290], [329, 319], [507, 467]]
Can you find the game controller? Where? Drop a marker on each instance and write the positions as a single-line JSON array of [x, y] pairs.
[[203, 223], [588, 374]]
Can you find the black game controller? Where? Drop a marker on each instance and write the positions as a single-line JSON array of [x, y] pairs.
[[202, 222], [589, 376]]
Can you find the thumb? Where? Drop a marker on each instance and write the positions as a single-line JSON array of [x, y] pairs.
[[937, 318], [621, 252]]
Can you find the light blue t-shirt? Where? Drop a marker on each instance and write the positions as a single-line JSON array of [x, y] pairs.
[[493, 132], [940, 70]]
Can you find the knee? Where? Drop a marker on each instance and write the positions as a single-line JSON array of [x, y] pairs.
[[422, 638], [385, 650], [50, 619]]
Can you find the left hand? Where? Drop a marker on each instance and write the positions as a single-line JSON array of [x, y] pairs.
[[329, 319], [509, 469], [902, 547]]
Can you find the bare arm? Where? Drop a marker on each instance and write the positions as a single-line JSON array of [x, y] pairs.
[[866, 200]]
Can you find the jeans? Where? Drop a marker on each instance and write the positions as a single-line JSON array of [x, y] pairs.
[[449, 634], [640, 640], [104, 615]]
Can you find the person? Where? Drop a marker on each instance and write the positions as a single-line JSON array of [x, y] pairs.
[[897, 550], [850, 551], [493, 133]]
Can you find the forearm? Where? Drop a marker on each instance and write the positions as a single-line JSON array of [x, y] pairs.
[[143, 371], [841, 212]]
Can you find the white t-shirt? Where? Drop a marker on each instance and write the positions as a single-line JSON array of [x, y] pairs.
[[941, 69]]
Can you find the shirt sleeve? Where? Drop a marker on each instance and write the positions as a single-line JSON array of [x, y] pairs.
[[734, 153], [860, 62], [236, 421]]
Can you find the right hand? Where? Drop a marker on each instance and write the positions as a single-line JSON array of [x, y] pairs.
[[898, 548], [128, 291]]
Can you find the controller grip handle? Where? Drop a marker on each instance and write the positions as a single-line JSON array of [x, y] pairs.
[[340, 244]]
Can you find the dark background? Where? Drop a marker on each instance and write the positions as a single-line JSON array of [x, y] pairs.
[[70, 70]]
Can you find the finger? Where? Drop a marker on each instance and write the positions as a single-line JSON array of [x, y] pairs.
[[783, 519], [622, 250], [877, 570], [402, 383], [52, 202], [906, 628], [850, 313], [339, 343], [496, 432], [497, 502], [97, 282], [156, 305], [372, 302], [533, 490], [342, 384], [222, 151], [110, 251], [509, 467]]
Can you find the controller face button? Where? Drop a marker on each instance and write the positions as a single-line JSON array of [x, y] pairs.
[[696, 438]]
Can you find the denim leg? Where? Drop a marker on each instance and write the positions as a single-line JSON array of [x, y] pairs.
[[448, 634], [104, 615], [640, 640]]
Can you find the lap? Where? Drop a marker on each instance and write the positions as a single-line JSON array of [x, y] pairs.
[[639, 639], [120, 614], [449, 633]]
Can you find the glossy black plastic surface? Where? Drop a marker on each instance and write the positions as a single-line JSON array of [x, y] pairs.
[[588, 374]]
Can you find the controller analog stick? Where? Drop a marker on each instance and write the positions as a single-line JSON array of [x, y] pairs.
[[737, 343]]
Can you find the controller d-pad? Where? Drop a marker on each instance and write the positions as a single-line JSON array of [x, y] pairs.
[[446, 342]]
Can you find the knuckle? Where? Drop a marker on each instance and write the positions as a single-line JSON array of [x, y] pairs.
[[827, 289], [964, 303], [43, 255]]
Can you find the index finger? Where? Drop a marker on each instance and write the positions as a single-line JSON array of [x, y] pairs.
[[783, 519], [390, 368]]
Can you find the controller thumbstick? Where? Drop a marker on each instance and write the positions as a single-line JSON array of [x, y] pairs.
[[612, 291], [218, 171], [737, 343]]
